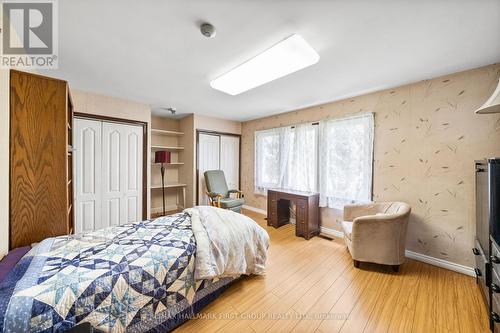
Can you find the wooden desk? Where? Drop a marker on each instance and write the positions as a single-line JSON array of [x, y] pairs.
[[307, 211]]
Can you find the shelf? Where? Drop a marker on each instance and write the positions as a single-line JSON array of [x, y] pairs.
[[169, 164], [165, 132], [169, 185], [166, 148]]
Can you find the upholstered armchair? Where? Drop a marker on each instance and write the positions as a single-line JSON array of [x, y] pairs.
[[376, 232], [218, 193]]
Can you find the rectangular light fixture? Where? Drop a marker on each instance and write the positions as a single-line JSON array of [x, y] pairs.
[[286, 57]]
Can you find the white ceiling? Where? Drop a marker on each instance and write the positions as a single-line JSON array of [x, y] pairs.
[[151, 51]]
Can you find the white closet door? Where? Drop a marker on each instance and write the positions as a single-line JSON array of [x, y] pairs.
[[208, 159], [132, 173], [87, 171], [121, 174], [230, 160]]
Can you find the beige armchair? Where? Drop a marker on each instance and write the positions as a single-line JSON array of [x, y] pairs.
[[377, 232]]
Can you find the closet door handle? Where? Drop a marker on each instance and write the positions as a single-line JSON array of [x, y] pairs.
[[475, 251], [495, 259], [495, 288], [495, 317]]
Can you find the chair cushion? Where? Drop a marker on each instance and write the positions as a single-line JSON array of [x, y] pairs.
[[230, 203], [347, 227]]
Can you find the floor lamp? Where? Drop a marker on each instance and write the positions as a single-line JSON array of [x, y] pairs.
[[162, 157]]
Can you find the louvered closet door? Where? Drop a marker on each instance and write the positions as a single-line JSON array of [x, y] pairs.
[[121, 174], [87, 171], [208, 159], [230, 160]]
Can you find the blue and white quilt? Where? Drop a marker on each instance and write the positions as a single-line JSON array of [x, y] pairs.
[[135, 278]]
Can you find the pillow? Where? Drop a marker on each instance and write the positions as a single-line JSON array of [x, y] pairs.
[[10, 260]]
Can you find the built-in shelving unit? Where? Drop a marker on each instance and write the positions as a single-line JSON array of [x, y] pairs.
[[165, 132], [168, 148], [168, 185], [172, 164], [165, 135]]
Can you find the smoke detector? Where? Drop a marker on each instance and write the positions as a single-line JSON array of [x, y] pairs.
[[207, 30]]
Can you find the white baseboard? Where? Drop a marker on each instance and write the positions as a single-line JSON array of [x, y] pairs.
[[331, 232], [440, 263], [417, 256], [254, 209]]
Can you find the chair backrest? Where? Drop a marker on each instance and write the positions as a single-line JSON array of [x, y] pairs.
[[216, 182], [396, 207]]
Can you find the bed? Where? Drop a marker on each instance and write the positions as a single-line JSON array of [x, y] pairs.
[[149, 276]]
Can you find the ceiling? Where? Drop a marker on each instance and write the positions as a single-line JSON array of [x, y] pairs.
[[151, 51]]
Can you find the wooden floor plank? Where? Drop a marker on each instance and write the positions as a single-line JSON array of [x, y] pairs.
[[312, 286]]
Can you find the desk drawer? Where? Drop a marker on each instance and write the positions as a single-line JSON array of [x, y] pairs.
[[271, 209]]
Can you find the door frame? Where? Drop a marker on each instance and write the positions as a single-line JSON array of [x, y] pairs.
[[202, 131], [145, 145]]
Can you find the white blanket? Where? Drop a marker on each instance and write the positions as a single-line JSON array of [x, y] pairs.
[[227, 243]]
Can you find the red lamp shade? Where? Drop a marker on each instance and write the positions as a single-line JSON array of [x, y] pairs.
[[162, 156]]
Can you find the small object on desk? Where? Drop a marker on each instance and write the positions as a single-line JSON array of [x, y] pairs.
[[307, 211]]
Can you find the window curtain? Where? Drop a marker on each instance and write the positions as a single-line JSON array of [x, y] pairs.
[[271, 156], [346, 160], [302, 168], [287, 158]]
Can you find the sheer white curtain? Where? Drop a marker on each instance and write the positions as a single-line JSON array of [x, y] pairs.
[[271, 155], [346, 160], [302, 167], [287, 158]]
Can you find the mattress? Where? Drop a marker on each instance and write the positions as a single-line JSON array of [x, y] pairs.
[[136, 278]]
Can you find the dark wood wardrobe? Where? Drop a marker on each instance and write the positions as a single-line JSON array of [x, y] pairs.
[[41, 186]]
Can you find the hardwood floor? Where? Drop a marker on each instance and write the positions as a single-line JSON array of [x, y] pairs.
[[312, 286]]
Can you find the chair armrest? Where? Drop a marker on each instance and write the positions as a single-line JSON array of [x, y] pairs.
[[214, 198], [382, 227], [238, 192]]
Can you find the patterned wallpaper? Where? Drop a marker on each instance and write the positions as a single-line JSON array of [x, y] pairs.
[[426, 140]]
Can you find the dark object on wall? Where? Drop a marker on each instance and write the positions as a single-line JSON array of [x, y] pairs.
[[307, 207], [162, 157], [487, 255], [41, 186]]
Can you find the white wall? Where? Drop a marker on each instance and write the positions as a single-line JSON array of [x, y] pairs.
[[4, 162]]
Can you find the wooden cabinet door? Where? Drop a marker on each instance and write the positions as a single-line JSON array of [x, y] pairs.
[[38, 158]]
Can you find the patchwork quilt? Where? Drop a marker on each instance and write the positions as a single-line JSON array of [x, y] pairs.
[[135, 278]]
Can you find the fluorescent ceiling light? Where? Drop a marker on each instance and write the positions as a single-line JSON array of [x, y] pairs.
[[286, 57]]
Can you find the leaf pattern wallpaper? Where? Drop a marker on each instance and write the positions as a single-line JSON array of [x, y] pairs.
[[427, 137]]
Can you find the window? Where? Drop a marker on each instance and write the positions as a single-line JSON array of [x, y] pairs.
[[334, 158], [346, 160], [267, 159], [286, 158]]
